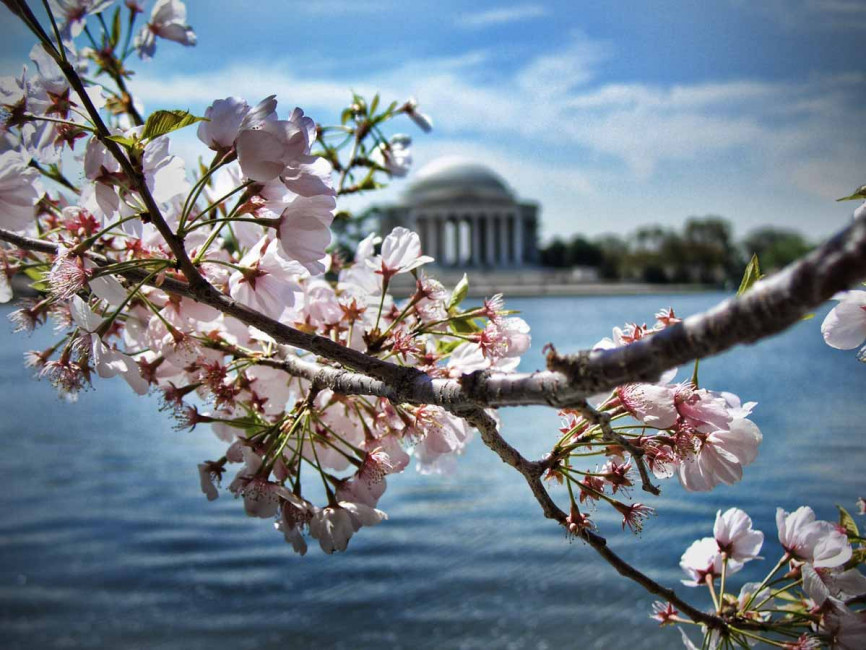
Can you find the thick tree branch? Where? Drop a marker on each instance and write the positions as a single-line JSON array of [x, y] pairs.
[[771, 306]]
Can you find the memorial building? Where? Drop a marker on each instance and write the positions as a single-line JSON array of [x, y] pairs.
[[467, 216]]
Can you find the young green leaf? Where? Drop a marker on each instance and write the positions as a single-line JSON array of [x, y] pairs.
[[751, 275], [459, 292], [122, 140], [447, 347], [847, 522], [115, 28], [162, 122], [858, 195], [465, 326]]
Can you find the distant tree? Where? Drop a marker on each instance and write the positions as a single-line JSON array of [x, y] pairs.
[[614, 250], [555, 254], [582, 252], [709, 248], [775, 247]]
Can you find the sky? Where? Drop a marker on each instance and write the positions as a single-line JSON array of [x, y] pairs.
[[611, 115]]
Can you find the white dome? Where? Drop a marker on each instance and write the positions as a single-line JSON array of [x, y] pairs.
[[454, 177]]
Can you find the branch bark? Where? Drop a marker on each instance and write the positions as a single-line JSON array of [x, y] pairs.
[[767, 309]]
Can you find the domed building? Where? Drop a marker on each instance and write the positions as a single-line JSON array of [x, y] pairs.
[[466, 215]]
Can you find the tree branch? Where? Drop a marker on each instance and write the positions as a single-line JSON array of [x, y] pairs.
[[602, 421], [769, 307], [488, 429]]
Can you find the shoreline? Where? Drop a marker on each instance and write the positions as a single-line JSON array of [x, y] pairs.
[[569, 290], [486, 285]]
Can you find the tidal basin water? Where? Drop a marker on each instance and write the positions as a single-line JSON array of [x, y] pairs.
[[106, 540]]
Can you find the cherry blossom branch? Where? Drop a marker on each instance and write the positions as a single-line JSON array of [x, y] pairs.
[[768, 308], [199, 286], [602, 421], [532, 472]]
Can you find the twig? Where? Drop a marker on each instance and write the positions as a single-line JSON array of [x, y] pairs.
[[602, 421], [771, 305], [491, 437]]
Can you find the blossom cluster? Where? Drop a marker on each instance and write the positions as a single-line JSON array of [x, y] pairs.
[[167, 276], [704, 437], [255, 224], [811, 596]]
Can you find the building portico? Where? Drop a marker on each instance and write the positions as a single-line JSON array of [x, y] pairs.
[[466, 216]]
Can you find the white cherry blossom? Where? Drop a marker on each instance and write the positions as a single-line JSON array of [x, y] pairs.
[[224, 118], [844, 328], [20, 190], [168, 21], [721, 456], [734, 534], [806, 538]]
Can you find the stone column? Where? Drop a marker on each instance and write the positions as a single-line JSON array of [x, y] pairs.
[[439, 220], [429, 242], [504, 244], [489, 234], [518, 238], [475, 231]]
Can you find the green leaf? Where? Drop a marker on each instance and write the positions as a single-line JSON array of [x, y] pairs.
[[858, 195], [34, 274], [847, 522], [129, 143], [751, 275], [459, 293], [465, 325], [115, 28], [345, 115], [447, 347], [374, 104], [857, 557], [162, 122]]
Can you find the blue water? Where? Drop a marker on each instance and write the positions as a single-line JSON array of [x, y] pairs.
[[106, 541]]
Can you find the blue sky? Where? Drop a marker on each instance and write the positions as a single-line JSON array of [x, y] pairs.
[[611, 115]]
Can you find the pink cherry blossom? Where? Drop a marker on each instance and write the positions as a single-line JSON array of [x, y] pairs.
[[721, 456], [108, 362], [703, 558], [395, 155], [423, 121], [20, 189], [401, 253], [266, 146], [295, 515], [304, 231], [268, 281], [819, 542], [823, 583], [652, 404], [224, 118], [334, 525], [734, 535], [844, 328], [168, 21], [704, 410]]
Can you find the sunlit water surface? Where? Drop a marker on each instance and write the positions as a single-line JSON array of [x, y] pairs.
[[107, 541]]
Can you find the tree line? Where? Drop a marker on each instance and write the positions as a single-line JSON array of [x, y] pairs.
[[702, 251]]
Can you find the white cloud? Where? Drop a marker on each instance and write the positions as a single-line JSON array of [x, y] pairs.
[[563, 136], [517, 13]]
